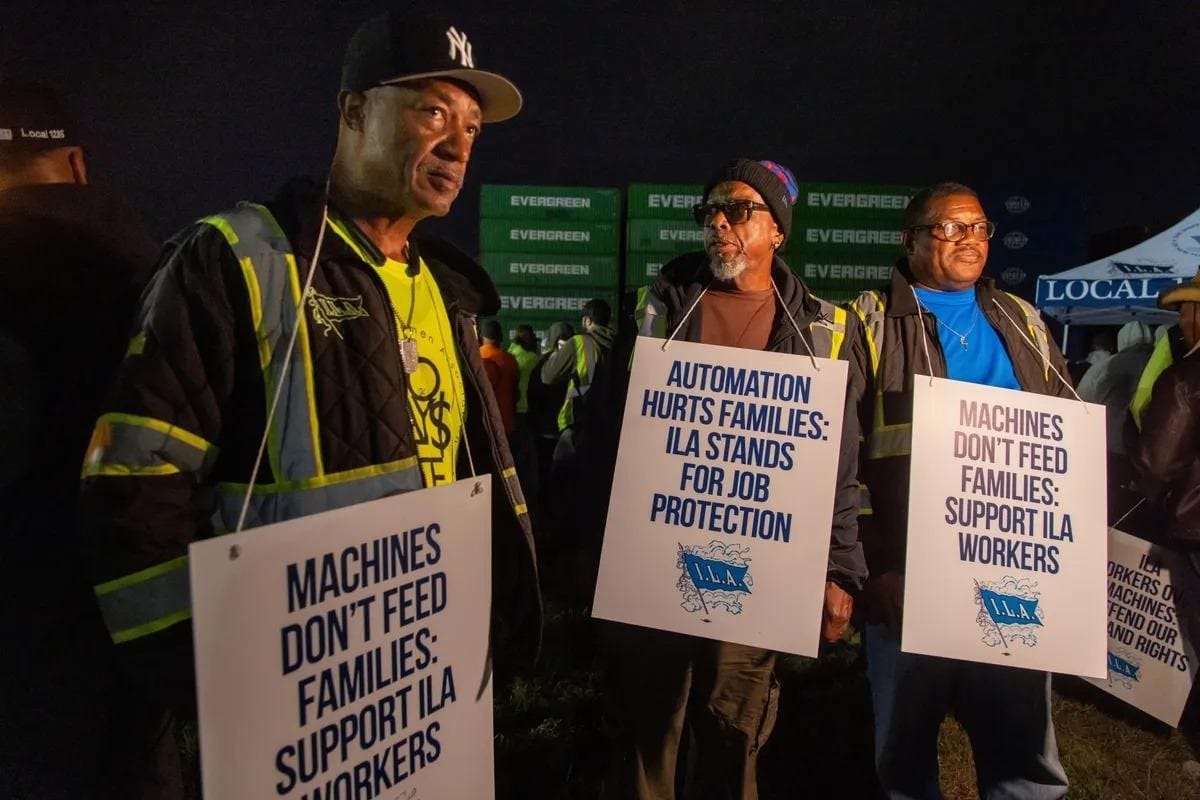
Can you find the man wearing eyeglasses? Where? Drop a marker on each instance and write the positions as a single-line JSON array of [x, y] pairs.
[[939, 317], [737, 293]]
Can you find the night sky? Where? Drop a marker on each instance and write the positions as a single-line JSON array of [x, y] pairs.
[[195, 105]]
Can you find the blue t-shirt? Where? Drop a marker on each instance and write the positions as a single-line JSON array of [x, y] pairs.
[[983, 359]]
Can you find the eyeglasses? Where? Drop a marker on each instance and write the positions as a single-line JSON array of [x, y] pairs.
[[736, 211], [953, 231]]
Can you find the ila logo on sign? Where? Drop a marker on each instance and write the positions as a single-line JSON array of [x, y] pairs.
[[1017, 204], [460, 46]]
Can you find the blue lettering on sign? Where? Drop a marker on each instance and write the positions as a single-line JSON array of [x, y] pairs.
[[709, 574], [1007, 609], [1122, 667]]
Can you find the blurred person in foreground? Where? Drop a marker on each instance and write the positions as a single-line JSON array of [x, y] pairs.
[[74, 257]]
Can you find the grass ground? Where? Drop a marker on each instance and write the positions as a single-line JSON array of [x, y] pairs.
[[551, 739]]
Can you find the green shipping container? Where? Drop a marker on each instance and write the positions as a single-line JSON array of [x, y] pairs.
[[663, 200], [547, 236], [554, 269], [852, 201], [841, 236], [557, 302], [642, 268], [502, 201], [663, 236], [823, 267]]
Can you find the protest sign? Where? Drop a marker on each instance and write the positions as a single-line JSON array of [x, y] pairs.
[[722, 500], [1152, 597], [340, 654], [1006, 528]]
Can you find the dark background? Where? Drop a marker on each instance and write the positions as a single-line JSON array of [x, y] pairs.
[[194, 105]]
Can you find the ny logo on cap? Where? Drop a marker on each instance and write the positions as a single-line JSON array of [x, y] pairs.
[[460, 45]]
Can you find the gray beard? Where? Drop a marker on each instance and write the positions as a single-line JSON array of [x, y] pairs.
[[727, 270]]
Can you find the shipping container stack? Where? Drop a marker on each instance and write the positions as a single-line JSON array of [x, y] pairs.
[[660, 227], [549, 249], [846, 236]]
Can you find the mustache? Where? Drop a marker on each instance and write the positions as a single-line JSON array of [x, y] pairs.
[[446, 171], [710, 240]]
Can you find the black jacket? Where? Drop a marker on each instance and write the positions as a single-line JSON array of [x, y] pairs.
[[885, 531], [199, 370], [679, 284], [73, 260], [1167, 456]]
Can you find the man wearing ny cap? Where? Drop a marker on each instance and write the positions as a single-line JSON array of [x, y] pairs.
[[385, 391], [738, 293], [73, 260]]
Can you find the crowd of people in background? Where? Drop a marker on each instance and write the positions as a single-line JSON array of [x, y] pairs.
[[172, 403]]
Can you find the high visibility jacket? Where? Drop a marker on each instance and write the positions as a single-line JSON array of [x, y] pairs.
[[526, 361], [892, 333], [170, 462], [576, 363], [828, 332], [1160, 359]]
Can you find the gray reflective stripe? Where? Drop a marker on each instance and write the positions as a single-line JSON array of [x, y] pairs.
[[890, 440], [261, 246], [270, 503], [126, 444], [135, 606]]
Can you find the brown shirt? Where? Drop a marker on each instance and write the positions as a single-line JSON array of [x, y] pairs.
[[737, 319]]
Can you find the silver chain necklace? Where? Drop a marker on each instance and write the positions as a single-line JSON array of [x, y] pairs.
[[962, 337]]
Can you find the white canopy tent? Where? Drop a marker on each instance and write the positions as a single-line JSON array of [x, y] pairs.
[[1124, 286]]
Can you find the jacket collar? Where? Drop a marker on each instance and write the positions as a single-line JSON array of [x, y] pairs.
[[902, 301], [298, 208]]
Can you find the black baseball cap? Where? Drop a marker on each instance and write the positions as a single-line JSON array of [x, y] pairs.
[[398, 47], [34, 116]]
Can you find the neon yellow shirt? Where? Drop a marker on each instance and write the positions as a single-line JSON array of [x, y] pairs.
[[436, 399]]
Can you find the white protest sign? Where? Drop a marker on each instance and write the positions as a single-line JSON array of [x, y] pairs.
[[1151, 661], [722, 500], [1007, 535], [340, 654]]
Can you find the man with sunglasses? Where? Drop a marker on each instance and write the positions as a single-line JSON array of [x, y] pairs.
[[737, 293], [940, 317]]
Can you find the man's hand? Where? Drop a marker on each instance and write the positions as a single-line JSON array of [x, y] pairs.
[[835, 616]]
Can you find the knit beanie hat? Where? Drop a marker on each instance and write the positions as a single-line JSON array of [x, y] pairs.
[[773, 181]]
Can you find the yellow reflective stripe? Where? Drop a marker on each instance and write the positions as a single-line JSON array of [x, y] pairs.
[[140, 576], [221, 224], [872, 346], [126, 471], [839, 331], [509, 472], [330, 479], [306, 354], [340, 229], [256, 313], [520, 509], [119, 637], [890, 440], [136, 345]]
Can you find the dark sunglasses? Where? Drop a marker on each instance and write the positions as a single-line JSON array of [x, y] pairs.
[[736, 211]]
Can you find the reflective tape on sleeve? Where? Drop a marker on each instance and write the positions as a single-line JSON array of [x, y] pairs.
[[132, 445], [146, 602]]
